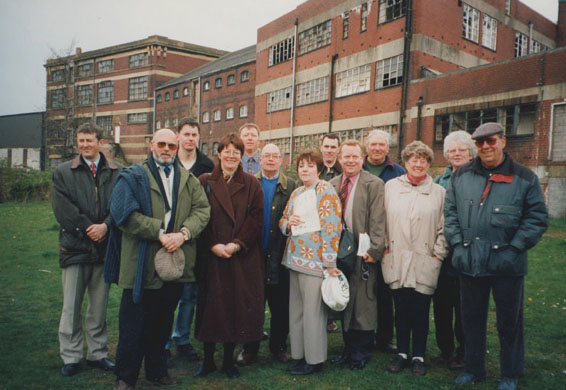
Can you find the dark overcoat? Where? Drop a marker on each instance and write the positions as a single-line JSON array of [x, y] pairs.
[[231, 291]]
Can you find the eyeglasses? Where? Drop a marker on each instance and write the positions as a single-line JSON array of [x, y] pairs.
[[162, 145], [490, 141], [234, 153], [365, 271], [271, 155]]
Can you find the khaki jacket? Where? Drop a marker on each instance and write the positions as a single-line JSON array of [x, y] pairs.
[[414, 234]]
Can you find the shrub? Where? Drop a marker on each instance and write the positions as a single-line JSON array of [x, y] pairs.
[[23, 183]]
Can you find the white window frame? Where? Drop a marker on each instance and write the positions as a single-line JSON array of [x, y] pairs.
[[138, 60], [312, 91], [279, 100], [315, 37], [137, 117], [217, 115], [244, 76], [137, 88], [244, 111], [105, 66], [105, 92], [521, 44], [84, 94], [186, 91], [282, 51], [353, 81], [389, 72], [205, 117], [105, 122], [489, 32], [471, 23], [206, 85], [230, 113], [391, 9]]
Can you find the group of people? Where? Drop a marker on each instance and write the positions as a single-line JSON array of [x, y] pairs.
[[250, 235]]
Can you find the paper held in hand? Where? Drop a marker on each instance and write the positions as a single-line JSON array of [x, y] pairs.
[[305, 207], [363, 244]]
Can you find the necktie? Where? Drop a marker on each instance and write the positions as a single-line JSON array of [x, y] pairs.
[[344, 193], [167, 170], [250, 165], [93, 169]]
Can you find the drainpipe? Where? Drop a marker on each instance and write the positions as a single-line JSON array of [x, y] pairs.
[[419, 116], [330, 98], [198, 102], [293, 93], [154, 111], [406, 72]]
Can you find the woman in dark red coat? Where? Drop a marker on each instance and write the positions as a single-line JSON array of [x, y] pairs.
[[230, 306]]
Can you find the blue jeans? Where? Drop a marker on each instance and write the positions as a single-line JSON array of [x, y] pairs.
[[185, 313]]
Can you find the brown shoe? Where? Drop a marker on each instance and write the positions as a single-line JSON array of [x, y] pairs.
[[121, 385], [245, 358], [282, 356], [166, 381]]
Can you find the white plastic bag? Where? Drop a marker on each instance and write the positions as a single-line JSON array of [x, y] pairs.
[[335, 291]]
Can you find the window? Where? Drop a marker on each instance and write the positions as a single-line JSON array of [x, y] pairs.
[[167, 123], [392, 130], [345, 25], [244, 76], [186, 91], [537, 47], [138, 88], [517, 119], [389, 72], [391, 9], [244, 111], [521, 44], [167, 96], [352, 81], [489, 32], [175, 122], [58, 98], [206, 85], [176, 94], [217, 115], [215, 149], [159, 99], [218, 82], [230, 113], [470, 27], [105, 92], [279, 100], [204, 149], [282, 51], [312, 91], [508, 7], [205, 117], [105, 66], [138, 117], [315, 37], [158, 125], [58, 75], [105, 122], [138, 60], [84, 70], [364, 17], [231, 80], [84, 94]]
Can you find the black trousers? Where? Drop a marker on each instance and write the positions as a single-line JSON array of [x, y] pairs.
[[411, 319], [508, 297], [384, 332], [144, 329], [447, 316], [277, 297], [357, 344]]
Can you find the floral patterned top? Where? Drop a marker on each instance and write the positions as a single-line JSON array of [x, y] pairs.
[[310, 253]]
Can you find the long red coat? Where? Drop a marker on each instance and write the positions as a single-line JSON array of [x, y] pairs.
[[231, 291]]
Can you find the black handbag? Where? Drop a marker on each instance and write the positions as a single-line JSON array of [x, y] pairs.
[[347, 252]]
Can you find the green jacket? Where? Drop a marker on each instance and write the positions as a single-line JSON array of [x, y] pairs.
[[193, 212]]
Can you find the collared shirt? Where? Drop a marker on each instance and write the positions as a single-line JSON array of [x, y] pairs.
[[251, 163], [349, 203], [168, 186], [89, 162]]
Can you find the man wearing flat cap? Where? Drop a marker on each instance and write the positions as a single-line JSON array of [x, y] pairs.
[[494, 213]]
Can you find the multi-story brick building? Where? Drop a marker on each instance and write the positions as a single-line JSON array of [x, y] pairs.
[[114, 87], [219, 94], [418, 69]]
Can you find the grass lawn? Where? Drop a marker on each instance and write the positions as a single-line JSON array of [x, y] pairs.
[[31, 299]]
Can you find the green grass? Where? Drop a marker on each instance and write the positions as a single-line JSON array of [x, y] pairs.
[[31, 298]]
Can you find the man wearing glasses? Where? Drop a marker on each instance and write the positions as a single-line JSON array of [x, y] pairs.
[[494, 213], [154, 205], [361, 194]]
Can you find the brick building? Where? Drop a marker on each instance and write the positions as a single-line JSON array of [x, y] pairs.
[[114, 87], [417, 69], [219, 94]]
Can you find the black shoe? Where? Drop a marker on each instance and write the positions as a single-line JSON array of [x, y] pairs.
[[297, 365], [187, 352], [103, 364], [204, 371], [418, 367], [307, 369], [342, 359], [231, 372], [358, 365], [398, 364], [70, 369]]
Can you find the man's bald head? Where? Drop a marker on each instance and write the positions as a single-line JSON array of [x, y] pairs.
[[270, 160], [163, 146]]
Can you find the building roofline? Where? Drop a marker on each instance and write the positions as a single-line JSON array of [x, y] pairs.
[[151, 40], [24, 113]]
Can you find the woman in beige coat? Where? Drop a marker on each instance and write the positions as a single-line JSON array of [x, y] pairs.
[[414, 205]]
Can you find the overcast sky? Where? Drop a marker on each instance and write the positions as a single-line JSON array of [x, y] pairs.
[[30, 30]]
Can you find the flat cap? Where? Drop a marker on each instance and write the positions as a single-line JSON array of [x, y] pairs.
[[487, 129]]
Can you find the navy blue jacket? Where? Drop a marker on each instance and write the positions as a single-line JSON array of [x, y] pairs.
[[491, 219], [391, 170]]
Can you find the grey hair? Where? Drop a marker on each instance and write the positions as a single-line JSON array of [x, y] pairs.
[[381, 133], [460, 137]]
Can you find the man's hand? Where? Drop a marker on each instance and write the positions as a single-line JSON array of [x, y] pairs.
[[232, 248], [333, 271], [172, 241], [369, 259], [221, 251], [97, 231]]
